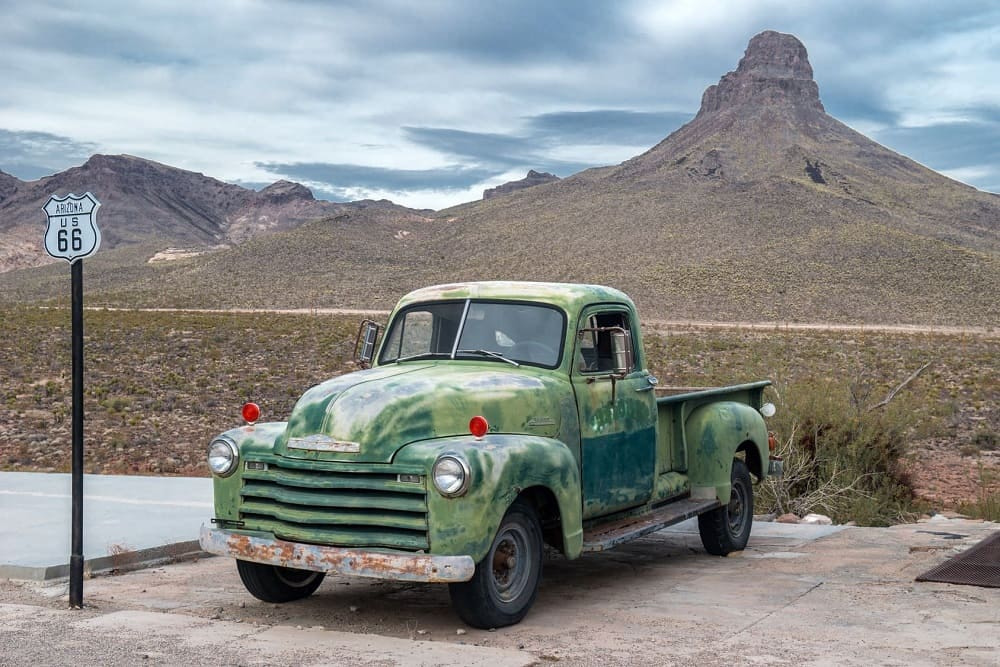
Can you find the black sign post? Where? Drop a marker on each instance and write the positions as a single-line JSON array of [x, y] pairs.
[[76, 554], [72, 234]]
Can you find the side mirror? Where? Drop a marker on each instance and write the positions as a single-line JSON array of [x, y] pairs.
[[621, 348], [613, 350], [364, 346]]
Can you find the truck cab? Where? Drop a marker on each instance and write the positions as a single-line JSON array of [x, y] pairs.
[[490, 418]]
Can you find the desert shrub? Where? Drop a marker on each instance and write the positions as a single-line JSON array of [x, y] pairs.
[[842, 453], [987, 505], [986, 439]]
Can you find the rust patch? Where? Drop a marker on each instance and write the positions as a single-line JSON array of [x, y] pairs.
[[354, 562]]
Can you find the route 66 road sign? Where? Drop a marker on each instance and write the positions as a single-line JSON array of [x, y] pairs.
[[72, 231]]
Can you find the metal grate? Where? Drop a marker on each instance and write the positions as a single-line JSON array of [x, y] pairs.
[[976, 566], [349, 509]]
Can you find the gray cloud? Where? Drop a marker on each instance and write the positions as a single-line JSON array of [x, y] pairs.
[[606, 126], [531, 149], [31, 155], [969, 145], [96, 34], [341, 178], [496, 149], [488, 155], [509, 33]]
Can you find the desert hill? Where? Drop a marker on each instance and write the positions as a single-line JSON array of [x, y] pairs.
[[763, 207], [8, 184]]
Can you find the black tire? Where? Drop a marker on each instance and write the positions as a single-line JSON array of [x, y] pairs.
[[505, 584], [727, 528], [271, 583]]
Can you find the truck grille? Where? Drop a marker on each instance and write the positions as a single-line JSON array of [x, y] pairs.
[[335, 508]]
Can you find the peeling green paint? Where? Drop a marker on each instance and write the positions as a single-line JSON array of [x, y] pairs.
[[714, 433]]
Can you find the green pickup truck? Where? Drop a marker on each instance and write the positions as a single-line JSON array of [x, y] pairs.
[[490, 419]]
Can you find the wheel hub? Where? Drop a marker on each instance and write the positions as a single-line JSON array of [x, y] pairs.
[[510, 572]]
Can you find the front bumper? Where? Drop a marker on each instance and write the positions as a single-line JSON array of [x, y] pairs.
[[354, 562]]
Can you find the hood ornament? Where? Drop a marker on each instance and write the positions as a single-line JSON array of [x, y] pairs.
[[323, 443]]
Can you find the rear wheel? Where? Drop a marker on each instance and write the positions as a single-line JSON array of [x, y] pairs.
[[727, 528], [506, 581], [271, 583]]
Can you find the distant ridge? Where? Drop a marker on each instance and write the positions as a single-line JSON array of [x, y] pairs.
[[144, 200]]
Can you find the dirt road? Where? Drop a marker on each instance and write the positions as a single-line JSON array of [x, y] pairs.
[[668, 325], [848, 598]]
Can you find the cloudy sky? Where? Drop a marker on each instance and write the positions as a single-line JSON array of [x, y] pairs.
[[428, 102]]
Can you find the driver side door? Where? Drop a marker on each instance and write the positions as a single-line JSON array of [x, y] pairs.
[[617, 412]]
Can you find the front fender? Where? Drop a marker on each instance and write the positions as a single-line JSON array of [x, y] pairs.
[[713, 433], [500, 466]]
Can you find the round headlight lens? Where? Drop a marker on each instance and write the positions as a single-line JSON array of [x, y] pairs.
[[222, 457], [451, 475], [768, 409]]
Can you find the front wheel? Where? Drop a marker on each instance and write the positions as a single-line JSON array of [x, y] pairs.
[[506, 581], [727, 528], [272, 583]]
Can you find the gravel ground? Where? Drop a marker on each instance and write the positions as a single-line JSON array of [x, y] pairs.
[[846, 598]]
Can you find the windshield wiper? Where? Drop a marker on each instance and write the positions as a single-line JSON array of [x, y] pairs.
[[489, 353], [422, 355]]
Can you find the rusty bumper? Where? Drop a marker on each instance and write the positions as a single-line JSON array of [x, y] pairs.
[[354, 562]]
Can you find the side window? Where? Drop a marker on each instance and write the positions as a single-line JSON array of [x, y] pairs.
[[599, 352]]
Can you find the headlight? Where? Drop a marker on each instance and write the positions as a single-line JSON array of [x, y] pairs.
[[768, 409], [223, 456], [451, 475]]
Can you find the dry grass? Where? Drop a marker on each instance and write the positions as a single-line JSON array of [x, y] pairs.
[[158, 386]]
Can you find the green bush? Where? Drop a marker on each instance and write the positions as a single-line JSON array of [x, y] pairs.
[[987, 506], [842, 454]]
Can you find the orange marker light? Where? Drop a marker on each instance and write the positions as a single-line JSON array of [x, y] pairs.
[[478, 426], [251, 413]]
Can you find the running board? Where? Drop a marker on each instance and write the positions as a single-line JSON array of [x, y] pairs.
[[609, 535]]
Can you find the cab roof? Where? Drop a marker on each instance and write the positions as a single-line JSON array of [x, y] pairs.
[[570, 296]]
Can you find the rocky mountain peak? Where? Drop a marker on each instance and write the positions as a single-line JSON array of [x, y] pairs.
[[283, 191], [774, 70], [531, 180], [116, 162]]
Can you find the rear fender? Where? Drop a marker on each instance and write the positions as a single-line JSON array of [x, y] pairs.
[[500, 467], [714, 432]]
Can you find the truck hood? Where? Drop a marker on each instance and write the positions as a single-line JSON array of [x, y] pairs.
[[368, 415]]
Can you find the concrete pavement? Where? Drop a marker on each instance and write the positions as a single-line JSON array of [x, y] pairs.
[[126, 520], [799, 595], [794, 597]]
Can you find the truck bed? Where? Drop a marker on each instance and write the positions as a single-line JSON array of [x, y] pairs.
[[753, 390], [673, 412]]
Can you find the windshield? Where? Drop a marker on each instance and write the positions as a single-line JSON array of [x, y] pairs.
[[506, 332]]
